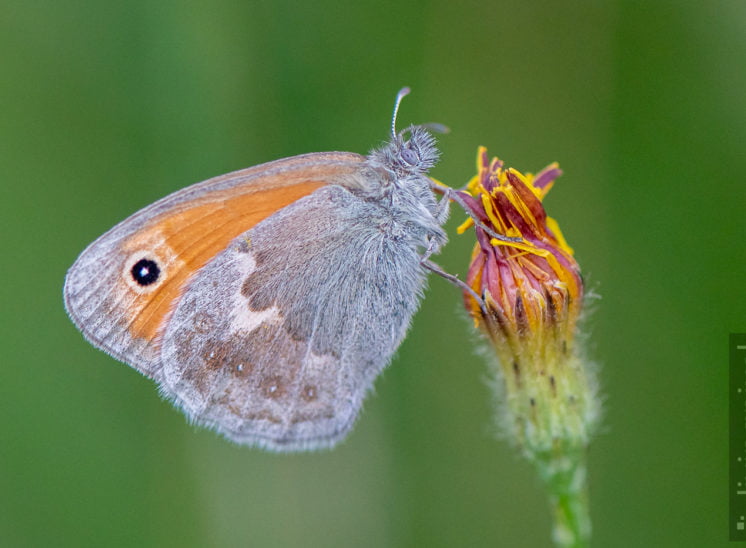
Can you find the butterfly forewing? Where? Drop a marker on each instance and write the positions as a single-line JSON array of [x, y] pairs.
[[122, 288]]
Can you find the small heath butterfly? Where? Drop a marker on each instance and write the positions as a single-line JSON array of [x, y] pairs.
[[266, 301]]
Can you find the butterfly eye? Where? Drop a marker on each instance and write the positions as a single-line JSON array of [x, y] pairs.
[[145, 272], [409, 156]]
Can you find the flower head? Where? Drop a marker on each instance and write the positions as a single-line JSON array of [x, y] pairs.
[[531, 296], [529, 286]]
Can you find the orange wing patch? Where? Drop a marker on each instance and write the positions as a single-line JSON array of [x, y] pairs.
[[184, 240]]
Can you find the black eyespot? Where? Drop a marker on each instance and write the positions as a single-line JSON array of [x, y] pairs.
[[145, 272], [409, 156]]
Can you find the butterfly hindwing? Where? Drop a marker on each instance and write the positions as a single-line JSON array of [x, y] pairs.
[[277, 339]]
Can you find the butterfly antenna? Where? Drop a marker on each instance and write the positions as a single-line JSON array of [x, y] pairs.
[[403, 92]]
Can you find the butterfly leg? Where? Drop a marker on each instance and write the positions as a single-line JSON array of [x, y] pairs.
[[455, 280], [454, 194], [443, 209]]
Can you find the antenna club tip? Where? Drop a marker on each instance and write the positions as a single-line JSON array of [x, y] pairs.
[[399, 96], [403, 92]]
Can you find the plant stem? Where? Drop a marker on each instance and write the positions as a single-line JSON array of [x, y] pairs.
[[564, 474]]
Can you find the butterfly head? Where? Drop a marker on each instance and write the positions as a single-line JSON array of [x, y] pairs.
[[412, 154], [411, 151]]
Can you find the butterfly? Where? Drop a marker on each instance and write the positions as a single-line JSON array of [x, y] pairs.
[[266, 301]]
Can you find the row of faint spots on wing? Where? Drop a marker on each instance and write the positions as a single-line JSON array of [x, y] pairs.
[[255, 375], [232, 358]]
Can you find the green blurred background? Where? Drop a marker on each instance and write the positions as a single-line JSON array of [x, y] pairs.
[[107, 106]]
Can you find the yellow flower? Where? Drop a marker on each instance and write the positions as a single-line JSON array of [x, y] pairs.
[[531, 296]]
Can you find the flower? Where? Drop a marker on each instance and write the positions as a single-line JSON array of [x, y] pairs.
[[531, 294]]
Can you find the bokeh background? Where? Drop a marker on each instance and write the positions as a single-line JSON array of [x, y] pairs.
[[107, 106]]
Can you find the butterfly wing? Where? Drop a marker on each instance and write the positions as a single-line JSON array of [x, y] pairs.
[[277, 339], [123, 288]]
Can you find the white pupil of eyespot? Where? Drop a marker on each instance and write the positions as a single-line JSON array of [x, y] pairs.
[[144, 271]]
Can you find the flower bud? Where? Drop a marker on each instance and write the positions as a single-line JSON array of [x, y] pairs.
[[531, 295]]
